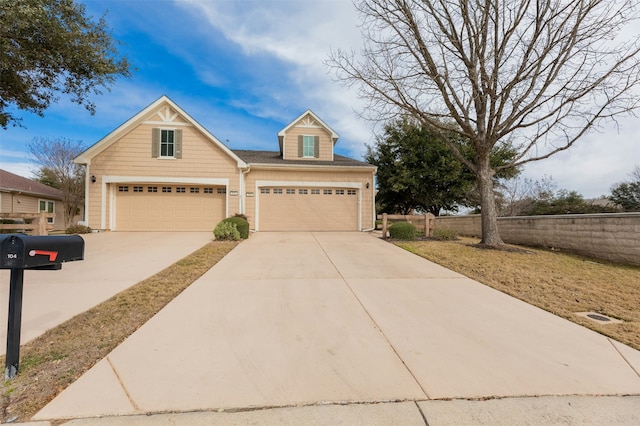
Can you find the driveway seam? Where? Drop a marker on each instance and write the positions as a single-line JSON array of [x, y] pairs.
[[371, 317], [124, 388], [623, 357]]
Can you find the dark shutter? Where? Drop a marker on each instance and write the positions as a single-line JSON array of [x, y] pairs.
[[300, 146], [155, 142], [177, 140], [316, 146]]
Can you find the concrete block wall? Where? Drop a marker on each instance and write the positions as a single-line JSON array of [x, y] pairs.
[[610, 236]]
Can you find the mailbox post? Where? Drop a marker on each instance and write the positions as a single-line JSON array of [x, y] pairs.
[[19, 252]]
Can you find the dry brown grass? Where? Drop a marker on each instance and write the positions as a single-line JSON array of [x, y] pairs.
[[558, 282], [51, 362]]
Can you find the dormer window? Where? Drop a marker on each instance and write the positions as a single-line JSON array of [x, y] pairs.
[[308, 146]]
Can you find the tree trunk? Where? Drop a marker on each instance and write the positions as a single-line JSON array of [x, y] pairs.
[[488, 213]]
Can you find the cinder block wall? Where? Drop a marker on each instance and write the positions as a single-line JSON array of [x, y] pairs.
[[614, 236]]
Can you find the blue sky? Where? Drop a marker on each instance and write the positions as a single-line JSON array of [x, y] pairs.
[[244, 69]]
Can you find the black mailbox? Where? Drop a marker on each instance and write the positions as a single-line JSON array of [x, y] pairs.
[[19, 251]]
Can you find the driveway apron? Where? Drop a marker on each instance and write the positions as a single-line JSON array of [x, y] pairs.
[[290, 319]]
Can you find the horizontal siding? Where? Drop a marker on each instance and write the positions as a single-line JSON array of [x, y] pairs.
[[291, 143], [131, 156]]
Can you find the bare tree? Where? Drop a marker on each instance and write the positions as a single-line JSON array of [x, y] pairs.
[[520, 194], [533, 75], [57, 169]]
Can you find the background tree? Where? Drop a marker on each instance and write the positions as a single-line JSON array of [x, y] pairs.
[[566, 202], [534, 76], [49, 47], [57, 169], [416, 171], [627, 194], [520, 194]]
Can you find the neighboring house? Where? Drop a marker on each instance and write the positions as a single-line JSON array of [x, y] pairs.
[[162, 171], [21, 195]]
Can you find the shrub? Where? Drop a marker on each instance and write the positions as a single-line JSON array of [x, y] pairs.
[[445, 234], [241, 225], [403, 231], [226, 231], [77, 229], [242, 216]]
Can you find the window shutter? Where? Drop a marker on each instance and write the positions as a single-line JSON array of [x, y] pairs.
[[316, 146], [300, 146], [155, 142], [178, 143]]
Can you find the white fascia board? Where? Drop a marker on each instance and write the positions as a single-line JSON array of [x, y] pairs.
[[102, 144], [166, 179], [305, 167]]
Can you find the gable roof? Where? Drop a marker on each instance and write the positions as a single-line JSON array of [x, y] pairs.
[[114, 136], [10, 182], [281, 133]]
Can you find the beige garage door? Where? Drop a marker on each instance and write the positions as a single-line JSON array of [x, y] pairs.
[[168, 207], [308, 209]]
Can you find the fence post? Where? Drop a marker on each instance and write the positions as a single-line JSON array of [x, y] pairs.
[[429, 224], [42, 224], [384, 225]]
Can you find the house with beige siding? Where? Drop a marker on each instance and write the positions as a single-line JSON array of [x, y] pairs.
[[162, 171], [19, 196]]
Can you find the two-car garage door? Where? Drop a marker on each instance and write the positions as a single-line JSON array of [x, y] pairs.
[[142, 207], [307, 209]]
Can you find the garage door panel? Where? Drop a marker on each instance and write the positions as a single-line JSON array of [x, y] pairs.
[[308, 212], [169, 211]]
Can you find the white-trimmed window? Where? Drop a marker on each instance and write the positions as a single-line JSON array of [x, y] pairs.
[[123, 188], [194, 190], [166, 143], [351, 192], [152, 189], [315, 192], [303, 191], [181, 189], [208, 190], [339, 191], [277, 190], [327, 192], [47, 207], [308, 146], [166, 189], [265, 190], [222, 190], [291, 191], [138, 189]]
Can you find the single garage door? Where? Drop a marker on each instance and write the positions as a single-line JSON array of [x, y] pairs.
[[169, 207], [308, 209]]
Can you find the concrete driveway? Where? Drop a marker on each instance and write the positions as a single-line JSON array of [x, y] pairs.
[[314, 321], [114, 261]]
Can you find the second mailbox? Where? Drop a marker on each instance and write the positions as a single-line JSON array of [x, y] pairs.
[[18, 251]]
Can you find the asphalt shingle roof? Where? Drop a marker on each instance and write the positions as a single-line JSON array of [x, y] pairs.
[[10, 182], [274, 157]]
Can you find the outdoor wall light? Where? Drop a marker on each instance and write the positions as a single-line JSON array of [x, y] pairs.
[[367, 185], [93, 179]]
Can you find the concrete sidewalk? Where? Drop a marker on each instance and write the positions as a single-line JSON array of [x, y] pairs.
[[345, 326]]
